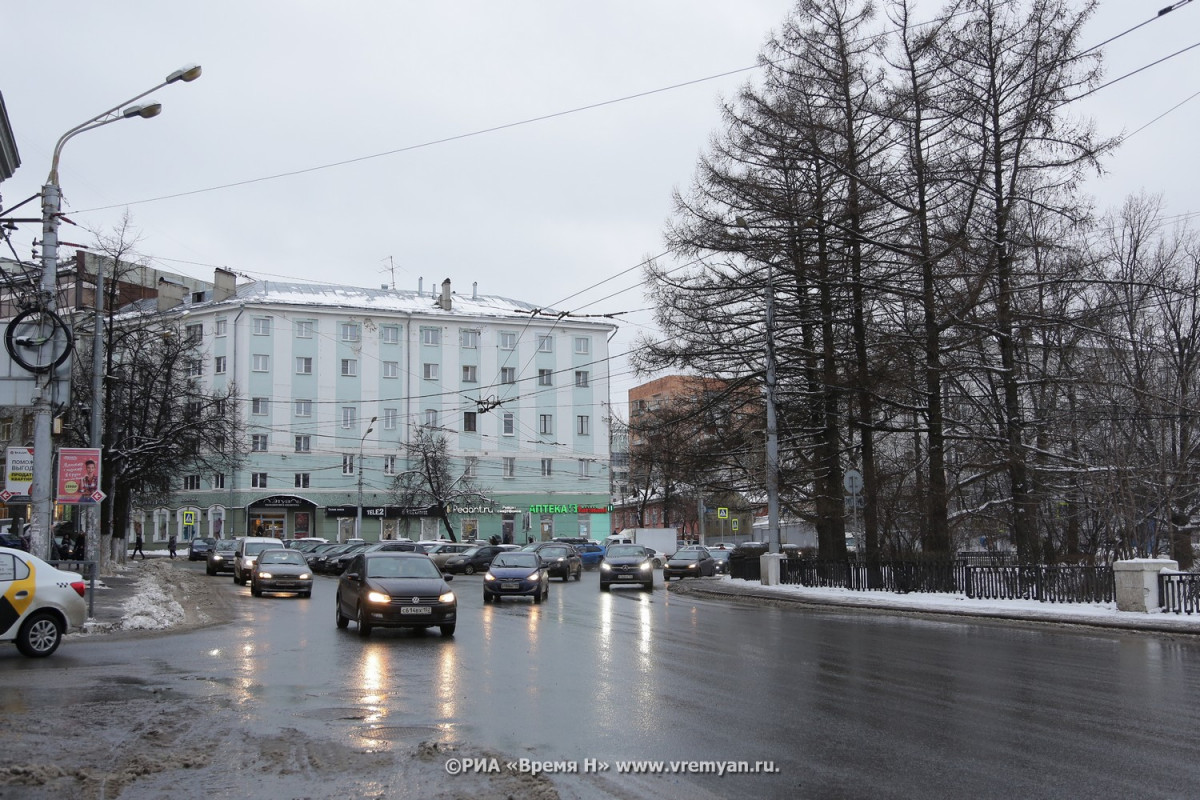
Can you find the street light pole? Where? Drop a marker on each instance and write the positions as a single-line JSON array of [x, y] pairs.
[[358, 520], [40, 495]]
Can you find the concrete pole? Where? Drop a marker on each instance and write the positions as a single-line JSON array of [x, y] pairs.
[[772, 433], [40, 505]]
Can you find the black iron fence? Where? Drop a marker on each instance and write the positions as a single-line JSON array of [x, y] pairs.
[[1048, 584], [1179, 592]]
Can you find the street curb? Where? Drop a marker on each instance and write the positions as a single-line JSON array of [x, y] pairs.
[[857, 604]]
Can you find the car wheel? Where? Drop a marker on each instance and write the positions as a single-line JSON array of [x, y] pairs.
[[210, 570], [487, 598], [537, 596], [40, 635], [469, 570], [604, 587], [306, 594], [657, 564], [447, 630], [341, 621], [364, 627], [649, 587]]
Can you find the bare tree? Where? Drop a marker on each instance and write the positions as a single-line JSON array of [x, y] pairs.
[[433, 478]]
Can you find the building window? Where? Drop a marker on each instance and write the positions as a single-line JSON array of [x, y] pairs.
[[258, 480], [583, 345], [391, 369], [258, 442], [347, 464], [429, 372], [581, 377], [191, 483], [508, 340], [349, 367], [260, 405], [304, 329], [390, 334], [470, 373], [304, 408], [303, 365], [471, 467], [468, 338], [509, 423], [469, 422], [431, 336], [220, 327], [219, 365], [262, 326], [390, 415], [195, 367], [585, 470], [218, 480], [510, 467], [260, 363], [351, 331], [545, 377], [389, 465], [349, 416], [194, 333], [431, 416], [545, 343], [304, 444], [546, 424], [547, 467], [583, 425], [302, 479], [508, 374]]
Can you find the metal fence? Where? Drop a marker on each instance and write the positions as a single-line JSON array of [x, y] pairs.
[[1053, 584], [88, 569], [1179, 592]]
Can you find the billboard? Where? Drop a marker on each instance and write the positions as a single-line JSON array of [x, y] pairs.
[[79, 475]]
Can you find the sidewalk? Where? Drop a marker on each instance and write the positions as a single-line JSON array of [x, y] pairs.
[[1102, 615], [152, 594]]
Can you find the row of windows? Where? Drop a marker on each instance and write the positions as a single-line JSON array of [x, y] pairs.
[[303, 480], [390, 334], [389, 369], [259, 442]]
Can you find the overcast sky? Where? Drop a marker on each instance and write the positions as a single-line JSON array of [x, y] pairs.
[[453, 126]]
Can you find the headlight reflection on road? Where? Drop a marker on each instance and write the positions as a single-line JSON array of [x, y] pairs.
[[448, 690]]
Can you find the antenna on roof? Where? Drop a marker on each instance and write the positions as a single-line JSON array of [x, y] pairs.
[[391, 269]]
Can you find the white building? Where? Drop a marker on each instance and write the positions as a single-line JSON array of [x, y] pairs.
[[519, 392]]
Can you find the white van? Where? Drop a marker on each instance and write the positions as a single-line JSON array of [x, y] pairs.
[[246, 553]]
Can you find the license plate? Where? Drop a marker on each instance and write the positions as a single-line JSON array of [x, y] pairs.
[[624, 577], [510, 585], [416, 610]]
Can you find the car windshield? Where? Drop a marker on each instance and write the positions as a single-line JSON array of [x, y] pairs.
[[687, 555], [402, 568], [553, 552], [281, 557], [226, 544], [626, 550], [253, 548], [470, 551], [518, 559]]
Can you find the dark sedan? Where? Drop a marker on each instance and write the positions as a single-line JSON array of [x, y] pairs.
[[221, 556], [198, 548], [395, 590], [476, 559], [627, 565], [562, 561], [327, 561], [516, 573], [281, 570], [690, 563], [721, 557]]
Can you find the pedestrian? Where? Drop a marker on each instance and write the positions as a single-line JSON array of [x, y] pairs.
[[171, 544], [137, 545]]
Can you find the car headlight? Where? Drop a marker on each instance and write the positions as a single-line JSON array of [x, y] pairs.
[[378, 597], [304, 576], [647, 565], [691, 566], [489, 577], [448, 597], [265, 575], [218, 557], [604, 567]]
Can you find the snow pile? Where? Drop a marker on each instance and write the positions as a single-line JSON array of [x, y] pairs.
[[151, 608]]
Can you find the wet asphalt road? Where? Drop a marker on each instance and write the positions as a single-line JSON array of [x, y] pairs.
[[846, 704]]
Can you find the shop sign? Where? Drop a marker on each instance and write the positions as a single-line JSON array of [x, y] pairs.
[[281, 501], [454, 508], [569, 508]]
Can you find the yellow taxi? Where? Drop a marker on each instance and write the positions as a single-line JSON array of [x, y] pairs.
[[38, 602]]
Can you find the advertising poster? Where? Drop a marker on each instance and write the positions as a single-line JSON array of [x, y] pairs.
[[19, 471], [79, 475]]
